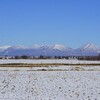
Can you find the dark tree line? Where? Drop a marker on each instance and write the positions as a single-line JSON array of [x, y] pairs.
[[53, 57]]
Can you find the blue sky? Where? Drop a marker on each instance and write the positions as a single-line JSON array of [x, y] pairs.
[[68, 22]]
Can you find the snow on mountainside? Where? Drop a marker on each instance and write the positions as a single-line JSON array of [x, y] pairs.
[[88, 50], [35, 46], [58, 47], [2, 48], [52, 50], [90, 47]]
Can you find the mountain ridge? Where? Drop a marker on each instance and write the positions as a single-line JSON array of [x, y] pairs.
[[50, 50]]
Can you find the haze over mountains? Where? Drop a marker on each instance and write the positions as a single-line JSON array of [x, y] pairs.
[[53, 50]]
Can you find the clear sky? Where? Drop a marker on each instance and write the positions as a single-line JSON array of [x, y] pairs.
[[68, 22]]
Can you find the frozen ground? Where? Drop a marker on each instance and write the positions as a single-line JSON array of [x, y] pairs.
[[52, 68], [49, 61], [48, 85]]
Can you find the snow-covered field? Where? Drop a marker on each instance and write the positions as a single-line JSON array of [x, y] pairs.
[[52, 68], [49, 61], [48, 85]]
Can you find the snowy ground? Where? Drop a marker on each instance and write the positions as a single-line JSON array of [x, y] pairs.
[[48, 85], [52, 68], [53, 83], [49, 61]]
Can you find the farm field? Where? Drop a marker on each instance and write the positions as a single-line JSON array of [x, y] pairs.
[[48, 85], [51, 82], [48, 61]]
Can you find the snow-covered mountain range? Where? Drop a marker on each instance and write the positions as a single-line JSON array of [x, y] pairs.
[[50, 50]]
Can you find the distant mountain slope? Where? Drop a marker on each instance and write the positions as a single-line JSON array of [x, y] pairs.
[[88, 50], [90, 47], [53, 50]]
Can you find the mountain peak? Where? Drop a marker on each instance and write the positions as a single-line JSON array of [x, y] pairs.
[[58, 47], [90, 46], [18, 47], [4, 47]]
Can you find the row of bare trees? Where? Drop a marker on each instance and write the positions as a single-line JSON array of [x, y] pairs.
[[53, 57]]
